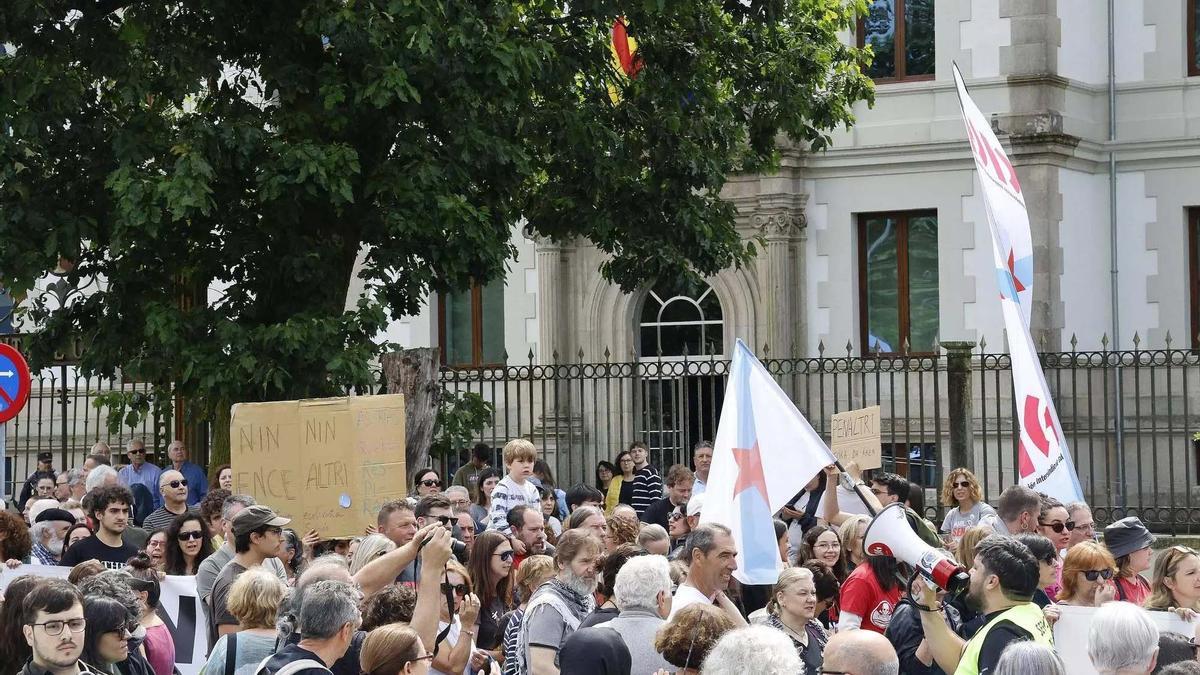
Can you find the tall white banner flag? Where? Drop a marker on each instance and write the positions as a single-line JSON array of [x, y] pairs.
[[1043, 461]]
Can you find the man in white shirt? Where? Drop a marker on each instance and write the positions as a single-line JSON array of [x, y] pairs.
[[702, 458], [711, 558]]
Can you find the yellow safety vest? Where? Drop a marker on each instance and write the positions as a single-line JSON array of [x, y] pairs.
[[1027, 616]]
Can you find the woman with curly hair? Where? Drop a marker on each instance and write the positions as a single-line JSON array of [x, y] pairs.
[[690, 635], [15, 543], [188, 544], [961, 491], [211, 510], [621, 531]]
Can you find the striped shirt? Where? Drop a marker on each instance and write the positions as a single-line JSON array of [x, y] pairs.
[[161, 519], [512, 634], [647, 489], [507, 495]]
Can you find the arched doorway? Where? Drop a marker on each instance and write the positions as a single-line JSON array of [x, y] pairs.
[[680, 334]]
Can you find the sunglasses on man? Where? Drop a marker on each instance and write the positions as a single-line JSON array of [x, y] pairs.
[[175, 483]]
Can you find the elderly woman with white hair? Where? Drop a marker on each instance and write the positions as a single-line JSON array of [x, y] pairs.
[[761, 650], [1122, 640]]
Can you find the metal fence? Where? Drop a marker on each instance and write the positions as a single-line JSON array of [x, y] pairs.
[[62, 418], [1128, 416]]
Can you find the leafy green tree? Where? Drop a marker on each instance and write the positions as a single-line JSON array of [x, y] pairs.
[[220, 164]]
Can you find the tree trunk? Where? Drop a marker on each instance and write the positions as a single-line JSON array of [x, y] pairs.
[[414, 373]]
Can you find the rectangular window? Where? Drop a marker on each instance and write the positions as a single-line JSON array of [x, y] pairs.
[[900, 33], [898, 281], [1193, 37], [471, 326], [1194, 276]]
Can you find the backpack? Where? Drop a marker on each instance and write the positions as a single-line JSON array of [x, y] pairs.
[[293, 667]]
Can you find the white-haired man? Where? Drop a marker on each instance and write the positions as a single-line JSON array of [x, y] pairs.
[[49, 530], [643, 594], [1123, 640]]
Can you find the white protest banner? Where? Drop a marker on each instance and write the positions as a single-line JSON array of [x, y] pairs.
[[1043, 461], [1071, 634], [178, 607]]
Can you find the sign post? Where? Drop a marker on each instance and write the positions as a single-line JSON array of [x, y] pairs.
[[14, 393]]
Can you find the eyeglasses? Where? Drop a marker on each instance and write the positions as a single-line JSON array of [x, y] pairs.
[[430, 482], [826, 544], [137, 451], [444, 520], [175, 483], [1092, 575], [187, 536], [506, 556], [962, 484], [55, 627], [125, 631], [675, 515], [1086, 527], [427, 657], [1069, 526], [461, 590]]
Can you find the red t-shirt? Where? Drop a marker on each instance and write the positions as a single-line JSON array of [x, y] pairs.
[[863, 595], [1134, 590]]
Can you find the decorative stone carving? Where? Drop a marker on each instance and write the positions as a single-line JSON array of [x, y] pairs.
[[785, 224]]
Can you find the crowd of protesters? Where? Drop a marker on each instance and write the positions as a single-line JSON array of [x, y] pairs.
[[503, 571]]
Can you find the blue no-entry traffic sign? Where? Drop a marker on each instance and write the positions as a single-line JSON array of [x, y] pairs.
[[14, 383]]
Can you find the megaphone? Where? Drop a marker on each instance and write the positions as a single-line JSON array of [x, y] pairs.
[[891, 535]]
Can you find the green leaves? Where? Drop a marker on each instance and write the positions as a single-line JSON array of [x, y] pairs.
[[221, 165]]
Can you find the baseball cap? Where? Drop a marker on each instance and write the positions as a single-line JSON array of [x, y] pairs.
[[695, 504], [45, 456], [253, 517]]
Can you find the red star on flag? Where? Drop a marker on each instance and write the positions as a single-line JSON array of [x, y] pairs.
[[1013, 272], [750, 471]]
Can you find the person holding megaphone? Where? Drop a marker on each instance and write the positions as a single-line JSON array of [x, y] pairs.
[[1002, 582]]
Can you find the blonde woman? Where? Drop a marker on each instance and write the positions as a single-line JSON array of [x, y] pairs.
[[371, 547], [962, 492], [533, 572], [851, 533], [394, 649], [971, 539], [793, 611], [1176, 584], [254, 601]]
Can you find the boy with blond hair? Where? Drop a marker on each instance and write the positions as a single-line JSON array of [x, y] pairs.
[[514, 488]]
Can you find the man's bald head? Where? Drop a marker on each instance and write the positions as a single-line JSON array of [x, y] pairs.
[[861, 652]]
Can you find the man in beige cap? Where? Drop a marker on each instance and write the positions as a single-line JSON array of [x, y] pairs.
[[257, 535]]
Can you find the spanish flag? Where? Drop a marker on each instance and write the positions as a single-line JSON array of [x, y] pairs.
[[624, 54]]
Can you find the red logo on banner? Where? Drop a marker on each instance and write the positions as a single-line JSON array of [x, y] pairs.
[[999, 169], [1037, 430]]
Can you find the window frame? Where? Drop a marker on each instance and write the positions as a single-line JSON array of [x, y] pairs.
[[1193, 240], [898, 47], [476, 294], [1193, 69], [902, 217]]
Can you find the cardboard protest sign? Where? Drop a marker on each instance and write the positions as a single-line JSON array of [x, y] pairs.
[[854, 437], [1071, 634], [178, 607], [328, 464]]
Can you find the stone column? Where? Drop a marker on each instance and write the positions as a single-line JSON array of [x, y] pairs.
[[552, 296], [780, 276], [958, 386]]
